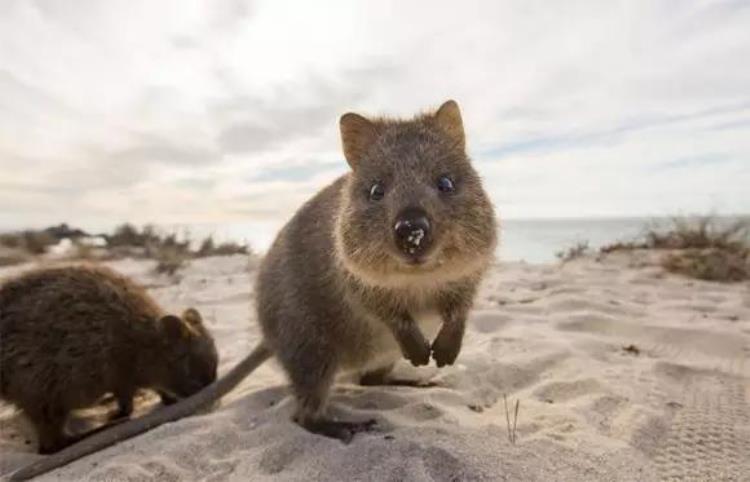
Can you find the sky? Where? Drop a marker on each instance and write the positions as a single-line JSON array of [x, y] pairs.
[[227, 112]]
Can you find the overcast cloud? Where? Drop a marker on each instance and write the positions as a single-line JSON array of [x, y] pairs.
[[227, 111]]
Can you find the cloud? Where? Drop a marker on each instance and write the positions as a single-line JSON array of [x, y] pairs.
[[299, 109], [226, 111], [298, 172], [155, 150], [226, 13], [741, 124], [694, 161], [614, 134]]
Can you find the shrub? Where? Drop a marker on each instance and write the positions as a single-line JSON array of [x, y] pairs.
[[128, 235], [576, 251], [209, 248], [34, 242], [170, 260], [11, 256], [711, 264], [700, 247]]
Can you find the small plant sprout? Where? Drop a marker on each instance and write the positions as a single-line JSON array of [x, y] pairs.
[[512, 434]]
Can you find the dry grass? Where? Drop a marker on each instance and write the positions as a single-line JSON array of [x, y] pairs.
[[171, 255], [209, 248], [37, 242], [578, 250], [690, 233], [171, 252], [12, 256], [169, 261], [710, 264], [87, 252], [700, 247], [33, 242], [128, 235]]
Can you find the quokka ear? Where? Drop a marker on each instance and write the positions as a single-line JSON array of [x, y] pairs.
[[174, 327], [448, 118], [357, 135], [192, 317]]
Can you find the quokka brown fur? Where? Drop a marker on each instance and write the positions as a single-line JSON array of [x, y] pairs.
[[354, 279], [69, 335]]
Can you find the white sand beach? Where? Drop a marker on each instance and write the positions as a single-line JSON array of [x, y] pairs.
[[623, 372]]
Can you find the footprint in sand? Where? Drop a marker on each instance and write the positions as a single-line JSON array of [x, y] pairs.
[[421, 412], [709, 435], [561, 392], [489, 321], [279, 456], [373, 398], [603, 410]]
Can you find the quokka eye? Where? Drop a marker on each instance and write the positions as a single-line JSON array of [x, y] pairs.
[[445, 184], [377, 191]]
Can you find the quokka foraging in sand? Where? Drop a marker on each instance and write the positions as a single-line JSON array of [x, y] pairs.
[[350, 281], [69, 335]]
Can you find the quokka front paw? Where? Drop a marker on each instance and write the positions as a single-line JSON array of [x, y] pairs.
[[417, 352], [446, 347], [414, 345]]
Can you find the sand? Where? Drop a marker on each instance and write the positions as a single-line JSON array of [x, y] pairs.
[[623, 372]]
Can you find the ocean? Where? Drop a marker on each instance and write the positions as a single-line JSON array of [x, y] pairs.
[[530, 240], [539, 240]]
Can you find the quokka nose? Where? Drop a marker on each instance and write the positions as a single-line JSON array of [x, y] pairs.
[[412, 232]]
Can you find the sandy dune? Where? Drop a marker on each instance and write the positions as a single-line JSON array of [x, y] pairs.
[[622, 372]]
